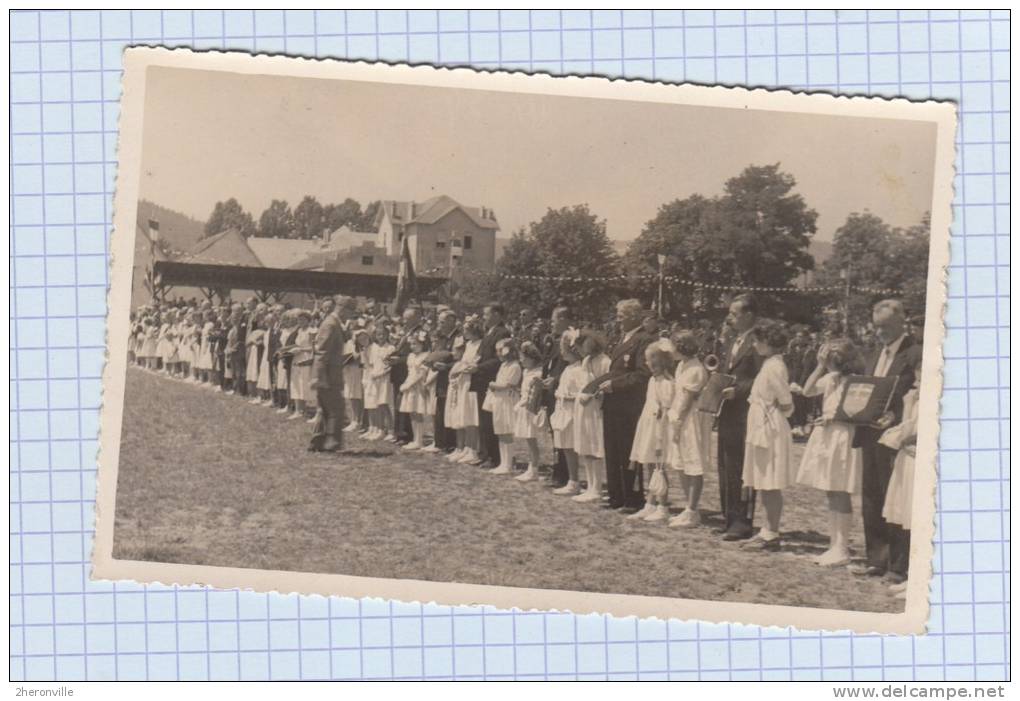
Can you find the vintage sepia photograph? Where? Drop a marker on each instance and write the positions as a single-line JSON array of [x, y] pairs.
[[547, 343]]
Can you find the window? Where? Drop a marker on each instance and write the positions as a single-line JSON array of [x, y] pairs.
[[467, 242], [367, 260], [440, 244]]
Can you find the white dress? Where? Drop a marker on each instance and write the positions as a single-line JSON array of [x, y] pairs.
[[503, 402], [149, 342], [588, 417], [769, 443], [689, 442], [465, 414], [830, 461], [353, 373], [413, 394], [254, 342], [900, 495], [300, 367], [265, 382], [378, 390], [164, 346], [205, 347], [526, 424], [562, 419], [651, 437]]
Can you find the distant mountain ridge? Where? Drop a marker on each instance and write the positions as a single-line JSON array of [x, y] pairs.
[[177, 231]]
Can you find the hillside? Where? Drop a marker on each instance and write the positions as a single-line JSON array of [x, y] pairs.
[[178, 231]]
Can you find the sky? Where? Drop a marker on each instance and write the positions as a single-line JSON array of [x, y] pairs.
[[212, 135]]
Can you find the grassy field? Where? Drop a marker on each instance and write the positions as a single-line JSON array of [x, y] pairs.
[[209, 479]]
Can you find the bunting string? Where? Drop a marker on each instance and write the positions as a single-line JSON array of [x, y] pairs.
[[672, 280]]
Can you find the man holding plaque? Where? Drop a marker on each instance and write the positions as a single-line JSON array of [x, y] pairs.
[[739, 360], [887, 545]]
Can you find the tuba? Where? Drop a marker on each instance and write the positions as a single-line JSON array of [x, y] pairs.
[[710, 400], [711, 363]]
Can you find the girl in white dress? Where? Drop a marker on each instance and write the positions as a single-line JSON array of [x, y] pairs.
[[194, 342], [588, 443], [451, 415], [501, 399], [467, 401], [898, 508], [253, 341], [768, 442], [378, 388], [205, 347], [562, 419], [355, 359], [650, 449], [285, 358], [264, 384], [413, 394], [148, 352], [527, 426], [301, 365], [690, 429], [830, 462], [164, 346]]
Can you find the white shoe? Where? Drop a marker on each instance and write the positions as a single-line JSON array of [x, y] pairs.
[[661, 513], [833, 557], [529, 475], [688, 519], [390, 438], [311, 420], [431, 449], [468, 456], [283, 410], [501, 470], [569, 489], [219, 388], [456, 455], [412, 446], [352, 427], [295, 415], [229, 391], [648, 510], [898, 588], [375, 434], [255, 401], [587, 497]]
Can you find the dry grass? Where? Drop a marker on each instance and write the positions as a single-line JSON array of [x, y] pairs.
[[209, 479]]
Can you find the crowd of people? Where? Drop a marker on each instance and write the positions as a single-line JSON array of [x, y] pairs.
[[618, 402]]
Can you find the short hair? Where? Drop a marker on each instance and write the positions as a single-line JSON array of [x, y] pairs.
[[474, 326], [893, 305], [843, 355], [507, 343], [685, 342], [530, 350], [496, 307], [570, 344], [630, 307], [747, 303], [663, 350], [446, 313], [773, 333], [597, 338], [561, 311]]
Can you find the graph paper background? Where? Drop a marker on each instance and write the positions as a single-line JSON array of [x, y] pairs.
[[65, 87]]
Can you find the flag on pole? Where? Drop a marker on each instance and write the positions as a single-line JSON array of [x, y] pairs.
[[154, 230], [407, 282]]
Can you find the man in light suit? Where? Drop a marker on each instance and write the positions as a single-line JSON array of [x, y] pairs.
[[328, 378], [887, 545], [623, 391]]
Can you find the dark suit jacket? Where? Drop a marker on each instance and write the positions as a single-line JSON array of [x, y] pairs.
[[628, 373], [488, 361], [744, 366], [328, 353], [904, 363], [553, 367], [443, 343]]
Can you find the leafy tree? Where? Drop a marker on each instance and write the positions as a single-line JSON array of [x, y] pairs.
[[755, 234], [346, 213], [229, 215], [309, 219], [868, 253], [367, 222], [277, 221]]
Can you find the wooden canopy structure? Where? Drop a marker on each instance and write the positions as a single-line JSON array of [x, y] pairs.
[[265, 281]]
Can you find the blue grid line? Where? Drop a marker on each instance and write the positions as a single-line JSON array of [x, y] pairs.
[[66, 627]]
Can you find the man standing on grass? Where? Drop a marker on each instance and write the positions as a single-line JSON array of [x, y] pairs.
[[552, 368], [328, 378], [484, 372]]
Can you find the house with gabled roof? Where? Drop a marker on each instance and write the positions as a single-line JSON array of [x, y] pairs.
[[441, 232]]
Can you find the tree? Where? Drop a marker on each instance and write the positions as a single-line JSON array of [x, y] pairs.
[[571, 234], [229, 215], [277, 221], [755, 234], [309, 220], [367, 222], [347, 213], [871, 254]]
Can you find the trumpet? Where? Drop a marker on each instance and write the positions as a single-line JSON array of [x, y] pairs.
[[711, 362]]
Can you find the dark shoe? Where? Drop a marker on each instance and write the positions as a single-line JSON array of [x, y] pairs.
[[486, 465], [893, 578], [734, 534], [867, 571], [627, 510], [331, 445]]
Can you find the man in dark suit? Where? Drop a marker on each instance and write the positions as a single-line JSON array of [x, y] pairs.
[[398, 371], [551, 370], [623, 397], [898, 355], [484, 372], [328, 378], [740, 360], [442, 341]]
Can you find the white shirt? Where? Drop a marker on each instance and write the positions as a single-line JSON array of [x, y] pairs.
[[738, 344], [885, 358], [627, 336]]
